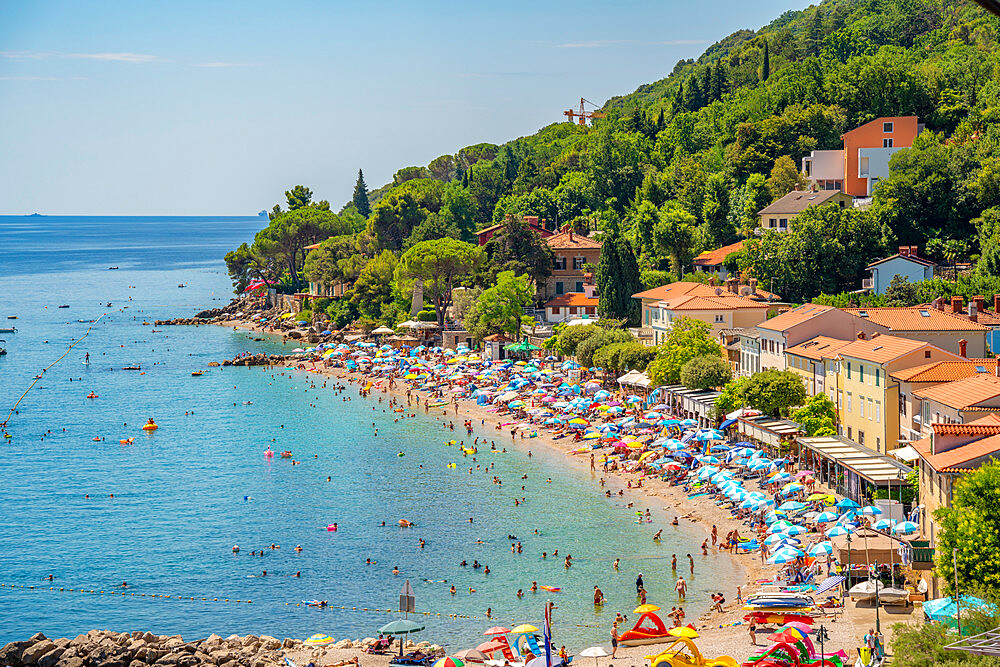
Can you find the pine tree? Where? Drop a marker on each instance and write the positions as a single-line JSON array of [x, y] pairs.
[[618, 278], [765, 64], [693, 95], [661, 122], [814, 37], [718, 81], [361, 202], [678, 99]]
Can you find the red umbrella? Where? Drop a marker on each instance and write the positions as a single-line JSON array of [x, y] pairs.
[[496, 630]]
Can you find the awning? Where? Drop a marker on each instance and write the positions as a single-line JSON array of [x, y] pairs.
[[905, 453]]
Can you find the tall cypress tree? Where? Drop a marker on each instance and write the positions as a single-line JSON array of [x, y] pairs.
[[660, 122], [618, 278], [361, 202], [765, 64], [814, 36]]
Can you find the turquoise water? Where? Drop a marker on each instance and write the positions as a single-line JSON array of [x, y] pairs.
[[185, 494]]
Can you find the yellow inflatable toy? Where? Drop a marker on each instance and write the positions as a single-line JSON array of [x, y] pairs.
[[683, 653]]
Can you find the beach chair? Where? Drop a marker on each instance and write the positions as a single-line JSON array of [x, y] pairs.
[[415, 658]]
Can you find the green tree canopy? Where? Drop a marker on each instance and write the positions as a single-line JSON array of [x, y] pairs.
[[773, 392], [618, 278], [818, 416], [972, 526], [439, 264], [706, 372], [517, 247], [686, 339], [360, 199], [499, 308]]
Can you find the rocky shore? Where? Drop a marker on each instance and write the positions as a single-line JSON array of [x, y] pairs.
[[137, 649]]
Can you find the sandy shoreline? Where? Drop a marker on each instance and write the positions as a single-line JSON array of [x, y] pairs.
[[845, 630]]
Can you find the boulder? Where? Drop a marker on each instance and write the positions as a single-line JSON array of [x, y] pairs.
[[51, 658], [213, 364], [342, 644], [10, 654], [36, 650], [269, 643], [74, 661]]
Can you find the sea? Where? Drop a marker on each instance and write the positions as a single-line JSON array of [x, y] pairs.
[[140, 535]]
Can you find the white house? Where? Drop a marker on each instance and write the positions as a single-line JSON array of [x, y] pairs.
[[905, 264]]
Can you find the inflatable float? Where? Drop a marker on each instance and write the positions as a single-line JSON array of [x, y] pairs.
[[404, 523], [648, 629], [551, 589], [91, 395], [150, 425], [684, 653]]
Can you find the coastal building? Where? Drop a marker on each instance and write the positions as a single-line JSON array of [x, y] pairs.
[[749, 353], [573, 252], [779, 215], [950, 452], [948, 330], [867, 398], [573, 305], [975, 312], [804, 323], [851, 469], [333, 290], [864, 159], [905, 264], [536, 225], [729, 307], [813, 361], [713, 261], [916, 414], [731, 342]]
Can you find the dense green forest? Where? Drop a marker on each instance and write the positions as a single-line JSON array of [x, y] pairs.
[[683, 165]]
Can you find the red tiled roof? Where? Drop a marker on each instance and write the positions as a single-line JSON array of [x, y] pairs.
[[916, 319], [717, 256], [795, 316], [818, 348], [565, 240], [572, 299], [721, 302], [946, 371], [680, 288], [952, 460], [881, 349], [963, 393]]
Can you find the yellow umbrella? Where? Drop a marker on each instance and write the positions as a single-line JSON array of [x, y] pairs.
[[285, 316], [593, 435], [577, 420], [645, 456], [825, 497], [635, 445], [318, 640], [645, 609], [683, 631], [524, 627]]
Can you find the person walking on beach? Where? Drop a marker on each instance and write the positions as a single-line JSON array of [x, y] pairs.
[[681, 588], [638, 583], [673, 562], [753, 632], [691, 562], [592, 466], [614, 639]]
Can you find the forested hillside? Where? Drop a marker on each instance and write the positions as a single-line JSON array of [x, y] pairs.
[[683, 164]]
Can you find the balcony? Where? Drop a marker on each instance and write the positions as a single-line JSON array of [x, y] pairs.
[[922, 556], [868, 283]]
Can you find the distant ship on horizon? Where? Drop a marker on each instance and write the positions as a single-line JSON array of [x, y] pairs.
[[262, 214], [34, 215]]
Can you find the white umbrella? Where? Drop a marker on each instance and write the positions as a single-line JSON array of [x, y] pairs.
[[594, 652]]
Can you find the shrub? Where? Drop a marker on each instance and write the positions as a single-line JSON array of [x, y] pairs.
[[706, 372]]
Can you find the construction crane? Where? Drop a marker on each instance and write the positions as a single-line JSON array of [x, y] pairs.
[[583, 114]]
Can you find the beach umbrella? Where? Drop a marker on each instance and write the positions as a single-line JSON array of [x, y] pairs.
[[905, 528], [689, 422], [645, 609], [779, 526], [791, 505], [780, 476], [318, 640], [791, 487], [825, 517], [708, 459], [683, 631], [847, 504], [794, 530], [524, 628], [785, 555], [496, 630], [871, 510], [883, 524], [825, 497], [821, 549], [804, 473], [775, 538], [403, 626], [449, 662], [594, 652], [472, 655], [837, 531]]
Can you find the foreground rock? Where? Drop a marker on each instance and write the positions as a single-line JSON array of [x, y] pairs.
[[105, 648]]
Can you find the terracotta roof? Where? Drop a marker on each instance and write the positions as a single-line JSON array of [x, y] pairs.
[[953, 459], [566, 240], [988, 425], [916, 319], [572, 299], [795, 316], [721, 302], [680, 288], [913, 258], [818, 348], [717, 256], [963, 393], [533, 225], [946, 371], [881, 349], [797, 201], [498, 337]]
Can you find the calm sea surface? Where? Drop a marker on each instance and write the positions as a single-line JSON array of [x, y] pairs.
[[185, 494]]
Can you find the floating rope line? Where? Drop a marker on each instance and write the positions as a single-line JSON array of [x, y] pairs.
[[3, 424], [124, 594]]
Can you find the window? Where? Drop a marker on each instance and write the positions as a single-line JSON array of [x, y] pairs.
[[560, 264], [783, 223], [571, 310], [902, 404], [578, 263], [560, 288], [848, 432], [591, 310], [773, 222], [861, 373], [878, 375], [579, 285], [848, 373], [840, 400], [861, 437], [887, 127], [878, 411], [555, 311], [720, 319], [927, 354], [878, 444], [927, 412], [863, 167], [887, 143], [861, 406], [848, 401]]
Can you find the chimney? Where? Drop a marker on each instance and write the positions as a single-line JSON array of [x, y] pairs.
[[875, 335], [963, 346], [997, 360], [956, 304], [711, 281], [530, 219], [570, 234], [980, 303], [974, 308], [939, 303], [996, 304], [753, 285], [904, 251], [861, 335], [913, 251], [733, 285]]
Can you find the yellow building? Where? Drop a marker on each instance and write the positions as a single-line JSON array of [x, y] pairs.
[[812, 359], [867, 397]]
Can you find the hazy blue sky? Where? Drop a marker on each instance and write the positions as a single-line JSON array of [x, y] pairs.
[[218, 107]]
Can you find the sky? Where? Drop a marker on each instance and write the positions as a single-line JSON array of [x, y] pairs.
[[216, 108]]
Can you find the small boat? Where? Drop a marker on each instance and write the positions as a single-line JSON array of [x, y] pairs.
[[8, 330], [132, 368], [286, 454], [65, 305], [863, 591], [12, 317], [778, 601], [182, 285], [890, 595], [197, 373], [112, 268]]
